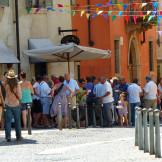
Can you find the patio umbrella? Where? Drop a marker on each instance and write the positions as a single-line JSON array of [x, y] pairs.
[[67, 53]]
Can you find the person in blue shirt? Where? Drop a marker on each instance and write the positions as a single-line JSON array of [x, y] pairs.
[[89, 86]]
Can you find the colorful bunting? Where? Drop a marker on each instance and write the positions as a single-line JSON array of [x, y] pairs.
[[113, 17], [120, 13], [109, 13]]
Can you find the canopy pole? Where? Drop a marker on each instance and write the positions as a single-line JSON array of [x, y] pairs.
[[68, 59]]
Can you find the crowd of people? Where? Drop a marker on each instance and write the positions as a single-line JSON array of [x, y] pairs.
[[111, 100]]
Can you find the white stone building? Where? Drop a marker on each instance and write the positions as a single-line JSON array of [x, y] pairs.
[[40, 25]]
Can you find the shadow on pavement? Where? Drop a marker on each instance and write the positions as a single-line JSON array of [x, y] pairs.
[[14, 142]]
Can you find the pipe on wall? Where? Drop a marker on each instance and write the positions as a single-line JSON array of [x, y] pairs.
[[90, 42]]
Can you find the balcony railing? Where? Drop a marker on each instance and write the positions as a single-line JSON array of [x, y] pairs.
[[141, 16]]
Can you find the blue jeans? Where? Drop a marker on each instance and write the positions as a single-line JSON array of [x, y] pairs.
[[133, 106], [107, 114], [11, 112]]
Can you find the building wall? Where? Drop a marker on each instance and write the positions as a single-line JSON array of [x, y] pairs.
[[104, 32], [44, 25]]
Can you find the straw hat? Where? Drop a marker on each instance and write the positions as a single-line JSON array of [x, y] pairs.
[[11, 74]]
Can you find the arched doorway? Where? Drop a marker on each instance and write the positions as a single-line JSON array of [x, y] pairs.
[[133, 59]]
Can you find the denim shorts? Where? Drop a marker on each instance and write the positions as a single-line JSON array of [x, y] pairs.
[[24, 106]]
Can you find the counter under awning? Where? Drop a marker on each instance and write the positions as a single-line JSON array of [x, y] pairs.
[[7, 56]]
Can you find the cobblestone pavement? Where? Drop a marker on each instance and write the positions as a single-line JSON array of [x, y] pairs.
[[83, 145]]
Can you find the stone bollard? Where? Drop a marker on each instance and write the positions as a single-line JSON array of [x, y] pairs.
[[146, 146], [157, 134], [94, 115], [29, 119], [101, 116], [136, 126], [151, 131], [70, 118], [59, 118], [140, 129], [86, 116], [78, 117]]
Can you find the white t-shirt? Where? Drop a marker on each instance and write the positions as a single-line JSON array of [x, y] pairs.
[[134, 91], [150, 90], [72, 84], [107, 88], [36, 86], [44, 89]]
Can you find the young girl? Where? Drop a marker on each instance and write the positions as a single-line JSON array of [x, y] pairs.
[[123, 109]]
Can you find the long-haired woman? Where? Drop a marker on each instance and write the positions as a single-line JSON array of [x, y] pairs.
[[12, 105], [27, 91]]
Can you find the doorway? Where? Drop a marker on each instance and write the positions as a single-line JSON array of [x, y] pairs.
[[133, 60], [40, 69]]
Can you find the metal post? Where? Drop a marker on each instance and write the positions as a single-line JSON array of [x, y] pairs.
[[136, 126], [94, 115], [78, 117], [146, 147], [86, 116], [17, 33], [29, 119], [151, 128], [157, 134], [140, 129], [101, 116], [59, 117], [69, 112]]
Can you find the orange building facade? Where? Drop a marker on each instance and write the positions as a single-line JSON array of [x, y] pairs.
[[134, 49]]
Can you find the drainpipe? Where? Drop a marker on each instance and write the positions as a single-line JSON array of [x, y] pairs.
[[17, 33], [90, 42]]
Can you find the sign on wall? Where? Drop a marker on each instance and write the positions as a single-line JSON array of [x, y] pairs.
[[4, 2]]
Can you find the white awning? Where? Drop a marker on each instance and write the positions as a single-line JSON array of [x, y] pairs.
[[7, 55], [44, 50]]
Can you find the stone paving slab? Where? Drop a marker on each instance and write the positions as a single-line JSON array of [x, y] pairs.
[[83, 145]]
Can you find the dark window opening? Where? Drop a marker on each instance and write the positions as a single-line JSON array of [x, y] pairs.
[[151, 57]]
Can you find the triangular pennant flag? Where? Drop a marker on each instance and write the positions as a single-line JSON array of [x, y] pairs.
[[154, 12], [73, 13], [148, 12], [113, 17], [150, 17], [144, 4], [126, 18], [155, 4], [50, 9], [135, 19], [109, 13], [99, 5], [99, 12], [133, 5], [82, 13], [120, 13], [125, 6], [87, 15], [28, 10], [60, 5], [37, 10], [122, 4], [105, 16], [94, 15]]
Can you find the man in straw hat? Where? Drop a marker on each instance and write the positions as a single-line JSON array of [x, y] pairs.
[[12, 105]]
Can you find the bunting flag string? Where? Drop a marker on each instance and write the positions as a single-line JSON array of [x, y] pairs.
[[137, 11]]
